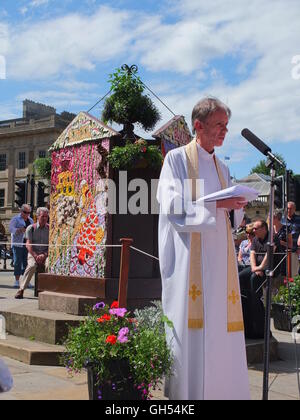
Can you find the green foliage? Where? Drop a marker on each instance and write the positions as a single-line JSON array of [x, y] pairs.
[[131, 155], [153, 317], [261, 168], [43, 167], [127, 104], [100, 339], [290, 295]]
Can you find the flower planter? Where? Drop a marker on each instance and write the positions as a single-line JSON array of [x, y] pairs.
[[119, 387], [281, 316]]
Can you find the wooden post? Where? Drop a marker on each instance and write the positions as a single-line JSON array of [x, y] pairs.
[[124, 271]]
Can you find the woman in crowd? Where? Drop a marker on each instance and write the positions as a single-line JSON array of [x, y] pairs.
[[245, 247]]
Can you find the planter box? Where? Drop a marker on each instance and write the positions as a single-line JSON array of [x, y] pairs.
[[119, 387], [281, 316]]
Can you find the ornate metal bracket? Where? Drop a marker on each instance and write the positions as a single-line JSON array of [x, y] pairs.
[[130, 70]]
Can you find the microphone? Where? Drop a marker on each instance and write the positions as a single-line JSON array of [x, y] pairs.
[[256, 142], [261, 146]]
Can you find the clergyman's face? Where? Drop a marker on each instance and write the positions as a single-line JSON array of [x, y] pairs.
[[214, 129]]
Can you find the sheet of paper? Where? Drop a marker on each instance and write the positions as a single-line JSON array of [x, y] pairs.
[[235, 191]]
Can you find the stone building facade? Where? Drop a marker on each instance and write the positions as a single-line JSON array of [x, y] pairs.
[[23, 140]]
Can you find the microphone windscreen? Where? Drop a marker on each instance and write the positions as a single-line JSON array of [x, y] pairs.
[[255, 141]]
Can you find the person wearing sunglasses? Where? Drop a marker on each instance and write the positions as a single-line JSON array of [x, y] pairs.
[[17, 228]]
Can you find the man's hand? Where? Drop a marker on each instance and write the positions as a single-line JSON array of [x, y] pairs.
[[235, 203], [40, 259]]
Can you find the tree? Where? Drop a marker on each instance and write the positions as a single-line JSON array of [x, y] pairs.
[[261, 168], [127, 104], [43, 167]]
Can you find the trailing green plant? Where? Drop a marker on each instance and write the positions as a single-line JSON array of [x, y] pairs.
[[110, 334], [43, 167], [130, 155], [290, 295], [127, 104]]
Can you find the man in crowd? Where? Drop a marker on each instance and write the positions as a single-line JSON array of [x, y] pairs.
[[37, 233], [201, 293], [293, 222], [17, 228]]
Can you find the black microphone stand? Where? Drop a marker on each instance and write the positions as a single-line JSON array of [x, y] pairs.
[[269, 274], [271, 163]]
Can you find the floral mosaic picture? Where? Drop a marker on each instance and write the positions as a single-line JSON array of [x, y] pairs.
[[78, 213], [78, 229]]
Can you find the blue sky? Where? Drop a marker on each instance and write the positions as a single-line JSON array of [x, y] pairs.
[[61, 53]]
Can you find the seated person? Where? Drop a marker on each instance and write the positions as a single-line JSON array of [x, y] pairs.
[[251, 281], [244, 249]]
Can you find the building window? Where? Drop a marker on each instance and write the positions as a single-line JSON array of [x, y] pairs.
[[42, 154], [2, 162], [2, 198], [22, 160]]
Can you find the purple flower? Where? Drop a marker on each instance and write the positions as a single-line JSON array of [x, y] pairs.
[[124, 331], [118, 312], [122, 336], [98, 306], [122, 339]]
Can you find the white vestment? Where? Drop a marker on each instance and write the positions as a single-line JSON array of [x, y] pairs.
[[209, 363]]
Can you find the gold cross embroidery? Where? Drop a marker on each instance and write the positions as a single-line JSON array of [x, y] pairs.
[[194, 292], [233, 297]]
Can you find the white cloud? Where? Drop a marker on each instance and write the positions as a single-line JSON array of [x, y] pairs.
[[264, 35], [73, 42], [258, 39]]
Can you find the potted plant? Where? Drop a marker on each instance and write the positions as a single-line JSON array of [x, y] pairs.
[[125, 357], [127, 104], [286, 304], [135, 155]]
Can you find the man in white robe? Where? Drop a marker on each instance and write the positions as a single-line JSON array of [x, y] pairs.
[[209, 362]]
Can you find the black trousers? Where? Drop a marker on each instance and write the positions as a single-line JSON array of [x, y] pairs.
[[253, 308]]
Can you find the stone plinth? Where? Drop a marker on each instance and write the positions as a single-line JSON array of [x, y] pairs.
[[66, 303]]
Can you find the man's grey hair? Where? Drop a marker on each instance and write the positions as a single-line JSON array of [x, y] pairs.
[[207, 106], [26, 207], [41, 210]]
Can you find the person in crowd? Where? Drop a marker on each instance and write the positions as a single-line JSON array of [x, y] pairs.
[[282, 239], [298, 252], [37, 233], [293, 221], [6, 380], [17, 228], [244, 249], [251, 282], [200, 288]]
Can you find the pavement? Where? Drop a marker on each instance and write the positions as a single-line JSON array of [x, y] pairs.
[[54, 383]]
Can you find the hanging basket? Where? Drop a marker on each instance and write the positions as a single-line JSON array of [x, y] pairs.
[[119, 387]]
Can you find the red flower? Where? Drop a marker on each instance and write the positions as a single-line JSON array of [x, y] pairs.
[[111, 339], [104, 318], [115, 305], [144, 149]]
